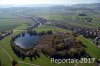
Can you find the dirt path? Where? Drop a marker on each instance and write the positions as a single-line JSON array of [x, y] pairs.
[[27, 63], [18, 61], [6, 53], [77, 63], [92, 43]]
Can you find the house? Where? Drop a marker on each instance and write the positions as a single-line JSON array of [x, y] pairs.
[[0, 37]]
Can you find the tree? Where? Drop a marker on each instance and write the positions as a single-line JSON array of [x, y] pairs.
[[82, 14], [41, 33], [88, 19], [49, 32], [14, 63], [0, 62], [74, 53]]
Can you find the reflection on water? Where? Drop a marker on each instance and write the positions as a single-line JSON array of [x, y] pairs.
[[26, 41]]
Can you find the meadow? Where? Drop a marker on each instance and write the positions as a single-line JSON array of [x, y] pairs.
[[9, 24], [18, 25], [76, 20], [42, 61]]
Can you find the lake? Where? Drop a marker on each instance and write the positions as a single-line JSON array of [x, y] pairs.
[[26, 41]]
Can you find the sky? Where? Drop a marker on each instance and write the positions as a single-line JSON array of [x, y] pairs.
[[24, 2]]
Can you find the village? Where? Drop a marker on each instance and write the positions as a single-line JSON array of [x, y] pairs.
[[31, 35], [5, 34], [92, 33]]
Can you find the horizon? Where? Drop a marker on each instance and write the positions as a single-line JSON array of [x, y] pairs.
[[55, 2], [39, 5]]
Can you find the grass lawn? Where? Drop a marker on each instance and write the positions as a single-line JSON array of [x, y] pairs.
[[78, 22], [60, 17], [5, 60], [42, 61], [20, 28], [9, 24], [91, 50], [54, 29], [5, 43]]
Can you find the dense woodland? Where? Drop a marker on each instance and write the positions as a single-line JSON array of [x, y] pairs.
[[92, 33], [81, 21], [55, 45]]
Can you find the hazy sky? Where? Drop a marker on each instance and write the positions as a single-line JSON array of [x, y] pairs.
[[22, 2]]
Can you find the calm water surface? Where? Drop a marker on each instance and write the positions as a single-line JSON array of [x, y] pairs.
[[26, 41]]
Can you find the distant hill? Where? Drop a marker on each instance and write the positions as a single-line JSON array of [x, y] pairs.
[[95, 6], [28, 5], [91, 6]]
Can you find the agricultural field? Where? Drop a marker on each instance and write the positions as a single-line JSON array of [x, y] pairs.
[[76, 20], [60, 31], [54, 29], [6, 45], [9, 24], [42, 61]]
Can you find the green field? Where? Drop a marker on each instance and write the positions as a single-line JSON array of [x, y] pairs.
[[54, 29], [9, 24], [42, 61], [12, 21], [76, 20]]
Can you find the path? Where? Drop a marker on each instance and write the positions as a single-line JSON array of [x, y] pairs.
[[77, 63], [92, 43], [6, 53], [18, 61], [89, 42], [28, 63], [17, 30]]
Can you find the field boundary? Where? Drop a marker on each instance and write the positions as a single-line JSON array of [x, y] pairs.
[[18, 61]]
